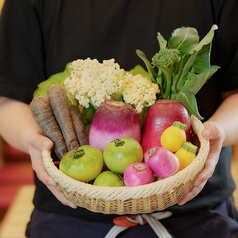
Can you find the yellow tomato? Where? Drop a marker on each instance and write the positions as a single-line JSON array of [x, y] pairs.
[[174, 136], [186, 154]]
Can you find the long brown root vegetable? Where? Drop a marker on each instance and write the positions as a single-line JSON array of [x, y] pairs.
[[59, 103], [43, 115], [78, 126]]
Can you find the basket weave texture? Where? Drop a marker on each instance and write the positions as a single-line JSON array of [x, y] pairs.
[[148, 198]]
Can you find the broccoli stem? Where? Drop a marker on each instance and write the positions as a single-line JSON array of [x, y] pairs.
[[167, 83], [159, 81]]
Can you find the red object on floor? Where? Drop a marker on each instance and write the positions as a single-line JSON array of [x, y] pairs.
[[16, 173], [8, 194]]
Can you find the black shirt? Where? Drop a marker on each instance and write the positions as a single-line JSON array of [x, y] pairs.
[[39, 37]]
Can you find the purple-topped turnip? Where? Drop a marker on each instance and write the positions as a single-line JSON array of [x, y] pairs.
[[114, 120]]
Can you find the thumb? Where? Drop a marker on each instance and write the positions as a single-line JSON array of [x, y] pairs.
[[41, 142], [211, 130], [47, 144]]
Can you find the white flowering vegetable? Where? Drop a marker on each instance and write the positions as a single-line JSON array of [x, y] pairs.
[[92, 82], [139, 92]]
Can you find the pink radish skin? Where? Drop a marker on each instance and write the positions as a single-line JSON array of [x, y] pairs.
[[162, 162], [114, 120], [138, 173], [160, 116]]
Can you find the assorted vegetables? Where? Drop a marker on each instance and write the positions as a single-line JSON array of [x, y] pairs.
[[59, 103], [182, 66], [159, 117], [119, 153], [44, 116], [186, 154], [109, 179], [91, 83], [174, 136], [56, 118], [114, 119], [163, 162], [135, 125], [138, 173], [84, 163]]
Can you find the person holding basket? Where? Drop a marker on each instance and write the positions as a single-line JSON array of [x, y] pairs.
[[39, 37]]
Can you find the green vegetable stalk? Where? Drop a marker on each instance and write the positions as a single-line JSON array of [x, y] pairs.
[[182, 66]]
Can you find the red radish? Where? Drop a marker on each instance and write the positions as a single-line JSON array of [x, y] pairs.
[[163, 162], [112, 120], [160, 116], [138, 173]]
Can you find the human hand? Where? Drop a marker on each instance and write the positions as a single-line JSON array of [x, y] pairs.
[[215, 134], [37, 143]]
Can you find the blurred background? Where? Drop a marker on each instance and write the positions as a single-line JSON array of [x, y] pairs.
[[15, 172]]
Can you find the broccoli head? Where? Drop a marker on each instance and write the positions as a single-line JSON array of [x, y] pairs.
[[166, 57]]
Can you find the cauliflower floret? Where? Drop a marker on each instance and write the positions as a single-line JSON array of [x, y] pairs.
[[139, 92], [91, 82], [94, 82]]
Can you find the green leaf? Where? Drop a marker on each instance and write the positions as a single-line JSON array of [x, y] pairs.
[[190, 102], [53, 79], [195, 82], [206, 40], [162, 41], [182, 79], [202, 61], [87, 114], [184, 39], [148, 65], [138, 69], [188, 65]]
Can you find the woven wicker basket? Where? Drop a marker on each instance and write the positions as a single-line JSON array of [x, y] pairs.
[[132, 200]]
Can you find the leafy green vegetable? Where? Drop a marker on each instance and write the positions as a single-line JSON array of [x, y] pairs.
[[57, 78], [182, 66], [138, 69]]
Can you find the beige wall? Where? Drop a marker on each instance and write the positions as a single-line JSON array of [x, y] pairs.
[[1, 3]]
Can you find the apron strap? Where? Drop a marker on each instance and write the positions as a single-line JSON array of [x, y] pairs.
[[124, 222]]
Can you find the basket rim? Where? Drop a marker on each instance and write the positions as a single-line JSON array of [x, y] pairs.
[[120, 192]]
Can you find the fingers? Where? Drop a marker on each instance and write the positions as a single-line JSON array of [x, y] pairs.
[[208, 170], [199, 182], [45, 178], [37, 143], [51, 185], [43, 175], [213, 131], [215, 135], [192, 193], [202, 178], [40, 142], [61, 197]]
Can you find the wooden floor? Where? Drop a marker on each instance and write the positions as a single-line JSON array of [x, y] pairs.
[[18, 215], [16, 191], [234, 170]]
